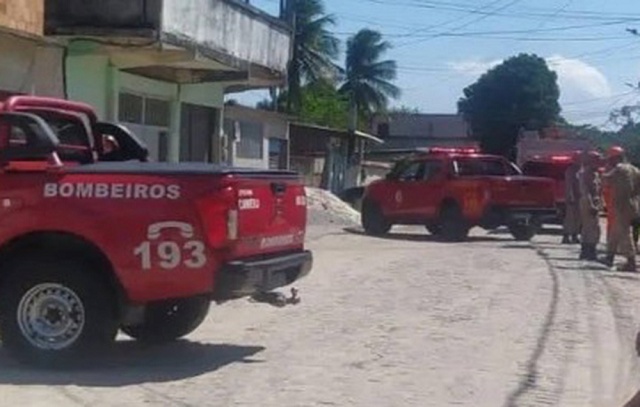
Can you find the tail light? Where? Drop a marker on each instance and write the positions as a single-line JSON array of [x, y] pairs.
[[220, 216]]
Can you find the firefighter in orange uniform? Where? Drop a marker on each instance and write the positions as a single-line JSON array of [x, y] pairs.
[[624, 181], [607, 194], [571, 221], [590, 205]]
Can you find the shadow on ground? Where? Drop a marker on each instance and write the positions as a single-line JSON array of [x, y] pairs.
[[420, 237], [623, 276], [544, 231], [130, 363]]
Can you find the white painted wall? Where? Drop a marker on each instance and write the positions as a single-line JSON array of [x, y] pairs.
[[230, 29], [29, 67]]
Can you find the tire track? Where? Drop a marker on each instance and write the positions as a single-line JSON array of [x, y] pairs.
[[583, 310], [532, 370], [627, 362]]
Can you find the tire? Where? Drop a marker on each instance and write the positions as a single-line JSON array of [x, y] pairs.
[[169, 320], [454, 227], [55, 312], [373, 220], [434, 230], [522, 232]]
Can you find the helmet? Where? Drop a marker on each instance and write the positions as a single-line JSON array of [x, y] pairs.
[[615, 151], [595, 155]]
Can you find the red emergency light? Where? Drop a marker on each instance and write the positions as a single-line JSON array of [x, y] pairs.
[[561, 158]]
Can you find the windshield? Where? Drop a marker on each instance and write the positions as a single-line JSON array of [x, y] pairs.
[[467, 167]]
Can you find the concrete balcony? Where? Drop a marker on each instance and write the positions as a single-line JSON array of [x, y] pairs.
[[180, 41]]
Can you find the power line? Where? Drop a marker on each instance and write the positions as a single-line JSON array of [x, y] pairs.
[[468, 23]]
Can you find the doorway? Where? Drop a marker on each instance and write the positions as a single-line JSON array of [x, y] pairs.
[[198, 129]]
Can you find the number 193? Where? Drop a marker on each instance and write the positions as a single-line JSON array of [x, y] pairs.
[[169, 255]]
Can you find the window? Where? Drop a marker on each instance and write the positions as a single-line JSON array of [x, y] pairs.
[[413, 172], [251, 141], [432, 168], [130, 108], [157, 112], [477, 167], [144, 110], [546, 170]]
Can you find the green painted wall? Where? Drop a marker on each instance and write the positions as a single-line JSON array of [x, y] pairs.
[[91, 79], [87, 81]]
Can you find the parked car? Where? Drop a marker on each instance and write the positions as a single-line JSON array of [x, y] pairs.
[[452, 190]]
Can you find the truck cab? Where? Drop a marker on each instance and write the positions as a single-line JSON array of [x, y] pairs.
[[96, 239], [452, 190]]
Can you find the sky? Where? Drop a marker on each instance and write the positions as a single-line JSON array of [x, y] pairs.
[[442, 46]]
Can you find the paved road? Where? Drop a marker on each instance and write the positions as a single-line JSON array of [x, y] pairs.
[[399, 321]]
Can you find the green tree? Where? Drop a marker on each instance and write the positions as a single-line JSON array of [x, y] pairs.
[[520, 93], [368, 79], [402, 109], [323, 105], [314, 48]]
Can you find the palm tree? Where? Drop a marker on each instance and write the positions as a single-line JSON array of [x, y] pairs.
[[314, 48], [368, 80]]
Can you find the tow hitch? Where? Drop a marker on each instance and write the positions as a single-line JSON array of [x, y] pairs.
[[277, 299], [522, 219]]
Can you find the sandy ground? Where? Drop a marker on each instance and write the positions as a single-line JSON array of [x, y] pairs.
[[397, 321]]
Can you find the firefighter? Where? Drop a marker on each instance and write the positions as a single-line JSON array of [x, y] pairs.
[[624, 181], [571, 224], [590, 204], [607, 194]]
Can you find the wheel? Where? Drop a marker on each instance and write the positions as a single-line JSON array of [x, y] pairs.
[[169, 320], [522, 232], [454, 227], [434, 230], [55, 312], [373, 220]]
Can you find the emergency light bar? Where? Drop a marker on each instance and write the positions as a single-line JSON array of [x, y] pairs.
[[445, 150], [561, 158]]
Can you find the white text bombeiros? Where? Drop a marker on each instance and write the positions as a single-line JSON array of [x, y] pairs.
[[111, 191]]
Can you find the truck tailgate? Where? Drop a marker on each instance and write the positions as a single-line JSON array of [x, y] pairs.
[[271, 215], [522, 191]]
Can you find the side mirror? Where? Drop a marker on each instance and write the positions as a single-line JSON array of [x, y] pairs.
[[130, 147], [26, 136]]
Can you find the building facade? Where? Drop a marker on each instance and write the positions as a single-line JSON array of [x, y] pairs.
[[31, 64], [256, 138], [162, 67], [415, 130]]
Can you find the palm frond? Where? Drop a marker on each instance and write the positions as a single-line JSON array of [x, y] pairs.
[[368, 78]]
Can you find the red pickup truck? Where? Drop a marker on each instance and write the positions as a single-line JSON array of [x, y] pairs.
[[95, 240], [451, 190], [552, 167]]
